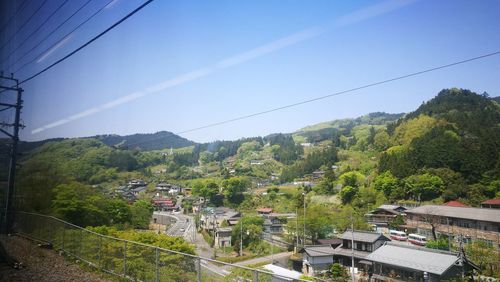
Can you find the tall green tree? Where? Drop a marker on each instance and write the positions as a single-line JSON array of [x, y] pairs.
[[79, 204], [141, 214]]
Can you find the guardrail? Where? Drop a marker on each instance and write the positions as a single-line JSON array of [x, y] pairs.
[[132, 260]]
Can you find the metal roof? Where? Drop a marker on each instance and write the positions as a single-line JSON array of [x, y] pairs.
[[363, 236], [341, 251], [421, 259], [390, 207], [319, 251], [480, 214]]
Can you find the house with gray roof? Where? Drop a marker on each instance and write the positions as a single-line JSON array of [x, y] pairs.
[[407, 263], [316, 259], [365, 242], [473, 223], [214, 217]]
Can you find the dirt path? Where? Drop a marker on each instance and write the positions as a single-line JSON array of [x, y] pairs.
[[41, 264]]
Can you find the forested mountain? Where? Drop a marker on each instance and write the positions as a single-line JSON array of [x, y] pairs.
[[144, 141], [323, 131], [446, 149], [458, 129]]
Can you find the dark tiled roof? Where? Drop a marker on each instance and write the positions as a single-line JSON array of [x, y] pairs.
[[318, 251], [363, 236]]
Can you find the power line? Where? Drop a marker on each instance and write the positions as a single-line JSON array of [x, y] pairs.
[[19, 8], [330, 95], [37, 29], [341, 92], [53, 31], [88, 42], [50, 34], [24, 24]]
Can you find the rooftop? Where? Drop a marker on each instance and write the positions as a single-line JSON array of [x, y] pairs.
[[283, 271], [265, 210], [492, 215], [455, 204], [318, 251], [391, 207], [422, 259], [340, 251], [224, 229], [335, 241], [492, 202], [363, 236]]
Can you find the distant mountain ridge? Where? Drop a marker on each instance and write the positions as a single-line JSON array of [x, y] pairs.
[[146, 141], [166, 140]]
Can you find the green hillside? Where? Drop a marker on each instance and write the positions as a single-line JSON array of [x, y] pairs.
[[446, 149]]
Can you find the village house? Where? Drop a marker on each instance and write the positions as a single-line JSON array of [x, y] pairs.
[[138, 190], [365, 242], [125, 193], [212, 218], [318, 174], [335, 242], [382, 216], [136, 183], [273, 224], [491, 204], [455, 204], [223, 237], [164, 204], [316, 259], [473, 223], [262, 211], [396, 262]]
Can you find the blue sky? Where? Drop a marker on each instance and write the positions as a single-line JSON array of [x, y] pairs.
[[168, 39]]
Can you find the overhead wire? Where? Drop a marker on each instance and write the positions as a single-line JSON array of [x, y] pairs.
[[19, 8], [24, 24], [329, 95], [36, 30], [88, 42], [50, 34], [62, 38], [341, 92]]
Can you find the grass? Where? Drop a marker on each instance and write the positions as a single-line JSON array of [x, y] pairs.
[[209, 239], [323, 199], [236, 259]]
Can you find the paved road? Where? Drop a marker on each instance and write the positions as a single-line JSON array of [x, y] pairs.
[[183, 226]]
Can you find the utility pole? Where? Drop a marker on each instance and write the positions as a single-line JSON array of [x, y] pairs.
[[352, 248], [462, 255], [14, 136], [304, 242], [449, 239], [296, 229], [241, 236]]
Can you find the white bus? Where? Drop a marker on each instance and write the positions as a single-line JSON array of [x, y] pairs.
[[416, 239], [397, 235]]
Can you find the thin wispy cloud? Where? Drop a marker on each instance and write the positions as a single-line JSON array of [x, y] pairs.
[[372, 11], [271, 47], [111, 5], [53, 49]]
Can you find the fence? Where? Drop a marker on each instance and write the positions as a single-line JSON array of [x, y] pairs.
[[132, 260]]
